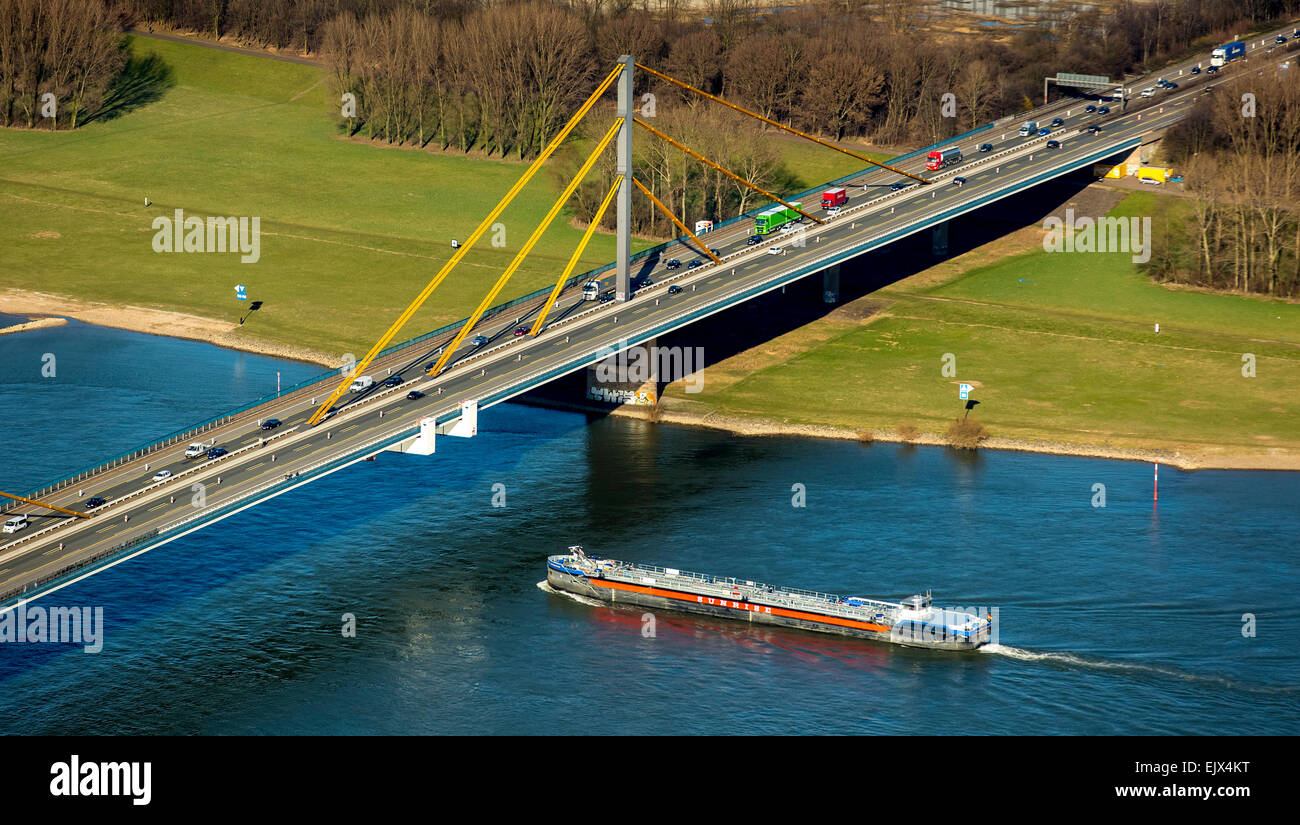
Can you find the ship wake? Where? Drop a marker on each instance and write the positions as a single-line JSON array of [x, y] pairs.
[[545, 586], [1074, 660]]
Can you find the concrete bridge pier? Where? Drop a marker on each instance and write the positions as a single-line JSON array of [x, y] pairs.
[[831, 284], [628, 377], [939, 239]]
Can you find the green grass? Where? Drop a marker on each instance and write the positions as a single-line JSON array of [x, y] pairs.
[[1061, 347], [350, 232], [811, 165]]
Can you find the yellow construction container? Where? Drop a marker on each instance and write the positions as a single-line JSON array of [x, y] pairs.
[[1155, 173], [1105, 170]]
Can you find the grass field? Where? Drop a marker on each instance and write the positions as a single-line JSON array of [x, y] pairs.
[[1060, 347], [350, 232]]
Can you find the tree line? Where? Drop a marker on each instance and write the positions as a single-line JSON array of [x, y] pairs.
[[57, 60], [1240, 159]]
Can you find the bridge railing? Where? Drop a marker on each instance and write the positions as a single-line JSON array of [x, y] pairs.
[[195, 430]]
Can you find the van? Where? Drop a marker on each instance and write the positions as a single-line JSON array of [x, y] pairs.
[[15, 524], [1029, 128], [196, 449], [365, 382]]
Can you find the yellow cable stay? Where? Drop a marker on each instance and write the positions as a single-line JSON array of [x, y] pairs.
[[577, 253], [527, 247], [727, 172], [673, 218], [465, 247], [771, 122], [46, 505]]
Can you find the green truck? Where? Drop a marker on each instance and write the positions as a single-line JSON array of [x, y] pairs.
[[775, 217]]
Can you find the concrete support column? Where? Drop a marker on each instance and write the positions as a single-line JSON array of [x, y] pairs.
[[628, 377], [939, 239], [622, 280], [831, 284]]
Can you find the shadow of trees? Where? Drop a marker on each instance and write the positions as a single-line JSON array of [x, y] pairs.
[[142, 81]]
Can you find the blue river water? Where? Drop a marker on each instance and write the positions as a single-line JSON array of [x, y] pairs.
[[1122, 619]]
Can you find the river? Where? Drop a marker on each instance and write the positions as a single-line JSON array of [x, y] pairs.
[[1126, 618]]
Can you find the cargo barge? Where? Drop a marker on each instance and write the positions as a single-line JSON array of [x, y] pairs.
[[913, 622]]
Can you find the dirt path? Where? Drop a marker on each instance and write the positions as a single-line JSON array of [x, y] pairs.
[[194, 40]]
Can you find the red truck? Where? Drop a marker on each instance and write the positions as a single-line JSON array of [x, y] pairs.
[[834, 197], [940, 158]]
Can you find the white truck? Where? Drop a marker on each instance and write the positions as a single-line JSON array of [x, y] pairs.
[[196, 449], [365, 382], [591, 290]]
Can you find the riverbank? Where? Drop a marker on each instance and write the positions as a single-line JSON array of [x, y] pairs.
[[57, 308], [177, 325], [33, 323], [1191, 459]]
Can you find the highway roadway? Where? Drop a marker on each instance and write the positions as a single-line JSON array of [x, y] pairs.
[[261, 463]]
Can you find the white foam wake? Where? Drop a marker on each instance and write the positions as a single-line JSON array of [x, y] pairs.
[[1074, 660], [546, 586]]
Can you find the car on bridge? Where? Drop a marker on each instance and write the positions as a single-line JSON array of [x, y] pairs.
[[162, 475], [753, 240], [673, 264], [479, 340], [1090, 108], [832, 211], [1057, 122], [958, 181], [986, 147], [414, 395], [217, 452], [1149, 91], [1103, 110], [1094, 129], [774, 250], [1169, 87], [896, 185], [520, 332], [693, 264], [15, 524], [1212, 70], [1196, 70], [271, 423], [393, 381], [1044, 132], [1281, 38], [674, 289], [94, 502], [607, 297], [1053, 144]]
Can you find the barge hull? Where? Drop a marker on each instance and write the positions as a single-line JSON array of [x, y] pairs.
[[740, 610]]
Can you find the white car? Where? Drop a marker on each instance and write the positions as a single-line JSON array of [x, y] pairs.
[[1148, 92], [15, 524], [162, 475], [832, 211], [774, 250], [1149, 181]]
